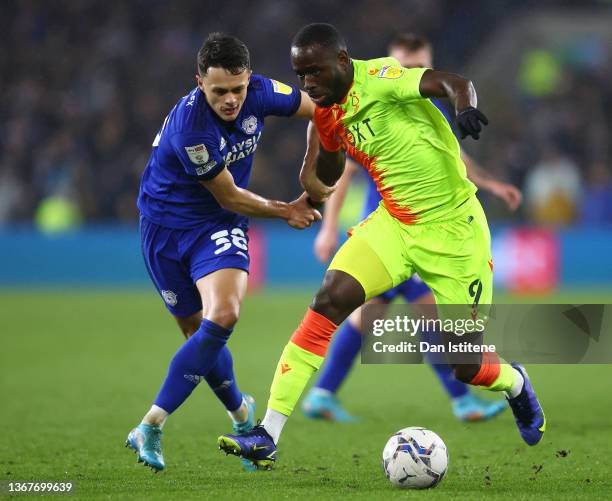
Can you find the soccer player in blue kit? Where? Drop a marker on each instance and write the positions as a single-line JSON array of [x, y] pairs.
[[194, 210], [321, 402]]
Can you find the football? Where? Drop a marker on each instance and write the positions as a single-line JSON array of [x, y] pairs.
[[415, 458]]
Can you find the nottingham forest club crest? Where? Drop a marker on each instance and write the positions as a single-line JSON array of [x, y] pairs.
[[354, 101], [249, 125], [391, 72]]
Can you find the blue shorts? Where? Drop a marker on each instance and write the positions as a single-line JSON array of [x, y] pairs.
[[176, 259], [411, 290]]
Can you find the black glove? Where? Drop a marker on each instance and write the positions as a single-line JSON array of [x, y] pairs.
[[468, 122]]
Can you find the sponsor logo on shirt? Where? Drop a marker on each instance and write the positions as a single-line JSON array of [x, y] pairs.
[[198, 154], [249, 124], [359, 132], [241, 150], [391, 72], [200, 171], [281, 88]]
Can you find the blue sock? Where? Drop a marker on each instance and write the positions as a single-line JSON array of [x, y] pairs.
[[451, 384], [443, 370], [191, 363], [344, 349], [222, 382]]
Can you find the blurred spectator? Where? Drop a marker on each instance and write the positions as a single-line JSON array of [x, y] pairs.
[[596, 207], [57, 214], [553, 189], [85, 86], [11, 193], [539, 74]]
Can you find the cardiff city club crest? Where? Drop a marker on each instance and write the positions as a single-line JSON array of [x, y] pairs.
[[249, 125], [170, 297]]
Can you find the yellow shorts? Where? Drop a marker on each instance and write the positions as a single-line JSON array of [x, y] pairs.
[[453, 257]]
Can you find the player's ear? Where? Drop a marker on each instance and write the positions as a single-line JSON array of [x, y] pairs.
[[343, 58]]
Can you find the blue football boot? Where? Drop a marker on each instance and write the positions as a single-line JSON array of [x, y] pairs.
[[319, 405], [256, 446], [145, 440], [469, 407], [528, 414]]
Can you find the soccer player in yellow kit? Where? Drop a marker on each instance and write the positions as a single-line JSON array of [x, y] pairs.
[[321, 402], [429, 220]]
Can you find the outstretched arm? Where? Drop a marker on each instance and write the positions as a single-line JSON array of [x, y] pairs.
[[306, 108], [461, 94], [509, 193], [298, 213], [321, 169], [326, 243]]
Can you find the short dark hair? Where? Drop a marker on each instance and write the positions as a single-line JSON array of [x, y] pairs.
[[410, 42], [323, 34], [225, 51]]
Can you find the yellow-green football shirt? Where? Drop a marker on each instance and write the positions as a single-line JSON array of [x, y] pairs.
[[401, 138]]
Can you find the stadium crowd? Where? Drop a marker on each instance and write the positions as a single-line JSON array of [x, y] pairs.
[[85, 88]]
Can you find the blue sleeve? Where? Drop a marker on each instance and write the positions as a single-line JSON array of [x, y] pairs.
[[197, 155], [444, 110], [278, 98]]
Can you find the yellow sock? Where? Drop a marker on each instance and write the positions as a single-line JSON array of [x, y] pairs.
[[496, 374], [505, 379], [295, 368]]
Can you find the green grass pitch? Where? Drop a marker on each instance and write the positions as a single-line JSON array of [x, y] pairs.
[[79, 369]]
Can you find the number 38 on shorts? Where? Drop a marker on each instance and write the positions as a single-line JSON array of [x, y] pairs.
[[225, 239]]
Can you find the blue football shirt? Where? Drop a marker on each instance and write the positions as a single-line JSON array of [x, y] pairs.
[[194, 144]]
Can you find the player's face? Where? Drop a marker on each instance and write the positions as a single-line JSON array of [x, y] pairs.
[[421, 58], [322, 72], [224, 91]]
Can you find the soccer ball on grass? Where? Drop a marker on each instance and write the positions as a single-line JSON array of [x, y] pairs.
[[415, 458]]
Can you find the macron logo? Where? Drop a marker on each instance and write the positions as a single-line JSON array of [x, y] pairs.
[[285, 368]]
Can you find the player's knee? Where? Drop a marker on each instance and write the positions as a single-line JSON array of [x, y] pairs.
[[339, 296], [323, 302], [466, 372], [226, 315], [329, 300]]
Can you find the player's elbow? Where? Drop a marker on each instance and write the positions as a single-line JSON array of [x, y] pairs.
[[225, 204], [229, 201], [462, 85], [303, 177], [455, 85]]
